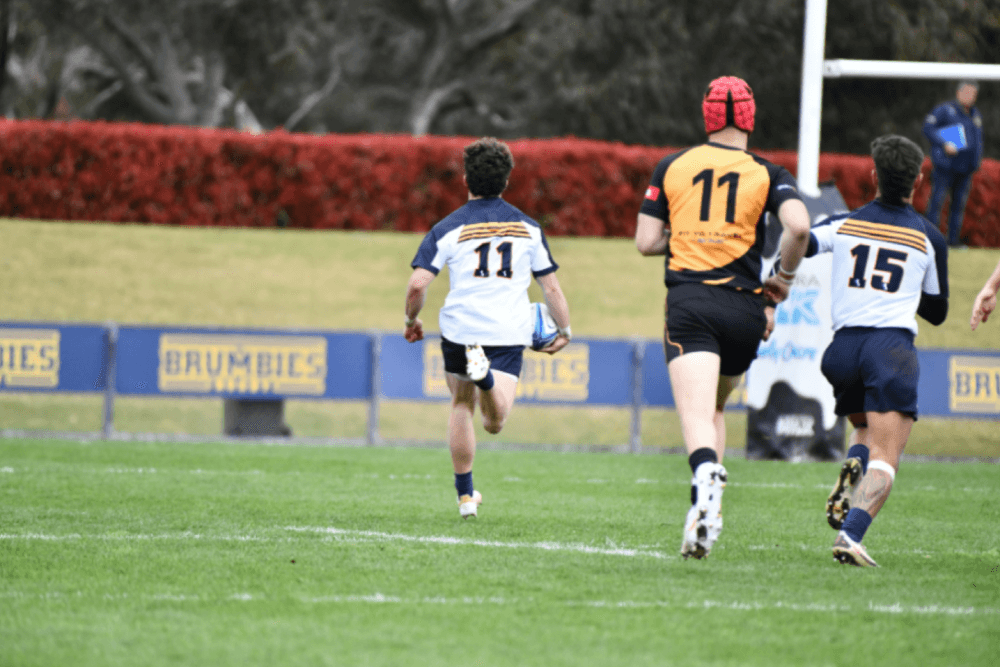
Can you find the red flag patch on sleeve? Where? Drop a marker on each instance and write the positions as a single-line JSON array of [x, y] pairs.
[[652, 192]]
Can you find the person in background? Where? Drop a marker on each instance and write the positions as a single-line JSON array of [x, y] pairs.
[[890, 264], [704, 209], [492, 251], [955, 130]]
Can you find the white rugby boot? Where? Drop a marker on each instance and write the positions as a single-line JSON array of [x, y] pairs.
[[469, 505], [704, 520], [849, 552], [477, 364]]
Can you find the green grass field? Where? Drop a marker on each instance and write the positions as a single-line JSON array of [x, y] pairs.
[[236, 554], [191, 553]]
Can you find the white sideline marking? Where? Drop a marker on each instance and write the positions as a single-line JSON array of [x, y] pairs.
[[381, 598], [461, 541], [363, 536], [6, 469], [42, 537]]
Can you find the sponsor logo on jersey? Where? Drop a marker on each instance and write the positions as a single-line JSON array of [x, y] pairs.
[[29, 358], [489, 230], [975, 384], [652, 193], [242, 364]]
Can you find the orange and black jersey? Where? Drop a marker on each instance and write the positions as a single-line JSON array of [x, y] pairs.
[[713, 199]]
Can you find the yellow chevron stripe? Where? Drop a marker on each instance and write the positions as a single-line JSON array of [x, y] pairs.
[[915, 238], [481, 230], [889, 230], [922, 247]]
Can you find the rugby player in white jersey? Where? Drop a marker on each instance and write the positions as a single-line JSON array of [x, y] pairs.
[[889, 265], [492, 251]]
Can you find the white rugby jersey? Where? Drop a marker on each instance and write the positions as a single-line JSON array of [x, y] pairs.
[[884, 258], [492, 251]]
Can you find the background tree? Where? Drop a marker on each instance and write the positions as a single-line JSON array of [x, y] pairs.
[[620, 70]]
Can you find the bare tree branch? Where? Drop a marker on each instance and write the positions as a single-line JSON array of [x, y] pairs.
[[311, 100], [132, 41], [172, 77], [95, 102], [508, 21], [428, 109], [4, 36], [209, 113], [151, 105]]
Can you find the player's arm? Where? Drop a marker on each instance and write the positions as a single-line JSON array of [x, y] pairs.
[[933, 305], [651, 235], [986, 300], [416, 292], [652, 226], [794, 219], [559, 308]]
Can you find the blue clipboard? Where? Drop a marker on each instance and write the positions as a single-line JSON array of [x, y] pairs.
[[954, 134]]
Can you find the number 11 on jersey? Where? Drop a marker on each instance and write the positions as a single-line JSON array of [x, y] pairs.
[[504, 250]]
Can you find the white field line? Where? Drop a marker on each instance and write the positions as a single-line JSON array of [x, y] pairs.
[[116, 537], [333, 534], [896, 608], [375, 536]]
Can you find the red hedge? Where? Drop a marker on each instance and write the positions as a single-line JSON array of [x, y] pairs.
[[190, 176]]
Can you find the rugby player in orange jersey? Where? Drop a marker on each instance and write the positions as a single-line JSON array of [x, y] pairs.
[[705, 209]]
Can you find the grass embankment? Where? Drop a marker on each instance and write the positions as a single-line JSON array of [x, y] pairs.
[[135, 274]]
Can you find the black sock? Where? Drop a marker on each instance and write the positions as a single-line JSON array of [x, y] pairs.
[[697, 457], [703, 455]]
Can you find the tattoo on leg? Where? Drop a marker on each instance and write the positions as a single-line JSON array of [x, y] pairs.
[[873, 491]]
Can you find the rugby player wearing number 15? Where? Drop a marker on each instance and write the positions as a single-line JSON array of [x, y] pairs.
[[889, 265], [492, 251]]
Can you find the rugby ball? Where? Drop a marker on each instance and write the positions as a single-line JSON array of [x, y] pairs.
[[543, 327]]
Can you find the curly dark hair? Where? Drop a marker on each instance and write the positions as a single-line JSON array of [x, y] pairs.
[[897, 163], [488, 164]]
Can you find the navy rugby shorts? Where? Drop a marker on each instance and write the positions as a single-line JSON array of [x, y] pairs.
[[705, 318], [504, 358], [873, 370]]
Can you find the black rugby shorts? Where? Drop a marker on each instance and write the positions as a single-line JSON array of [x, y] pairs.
[[705, 318]]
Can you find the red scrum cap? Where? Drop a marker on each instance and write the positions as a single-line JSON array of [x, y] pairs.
[[728, 101]]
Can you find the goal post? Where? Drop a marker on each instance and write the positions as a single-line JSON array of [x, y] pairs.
[[815, 69]]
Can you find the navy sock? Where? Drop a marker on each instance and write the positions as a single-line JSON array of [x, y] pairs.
[[487, 382], [463, 483], [860, 451], [699, 456], [856, 524]]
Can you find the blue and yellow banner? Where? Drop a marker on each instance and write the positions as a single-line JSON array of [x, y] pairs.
[[48, 357], [242, 364], [29, 358], [975, 384]]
